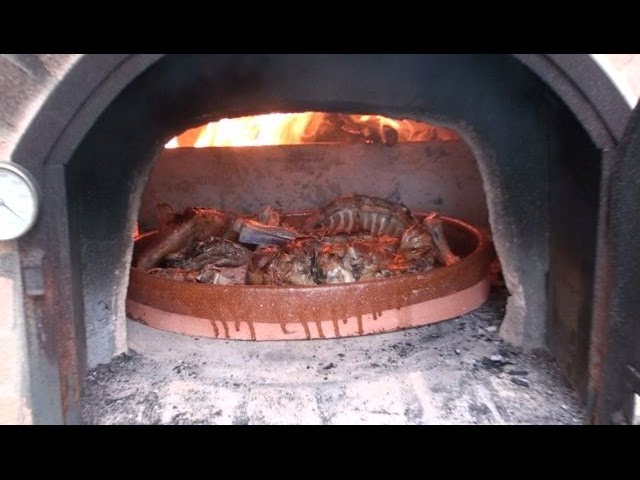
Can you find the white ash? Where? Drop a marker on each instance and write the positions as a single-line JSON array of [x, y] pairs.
[[438, 374]]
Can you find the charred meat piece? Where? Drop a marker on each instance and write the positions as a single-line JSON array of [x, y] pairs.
[[258, 263], [372, 256], [217, 252], [291, 265], [256, 233], [404, 264], [234, 275], [416, 239], [209, 274], [361, 213], [213, 251], [210, 222], [177, 274], [333, 262], [417, 251], [433, 223], [215, 261], [212, 275], [172, 240], [177, 231]]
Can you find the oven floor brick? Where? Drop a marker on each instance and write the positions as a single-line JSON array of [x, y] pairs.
[[454, 372]]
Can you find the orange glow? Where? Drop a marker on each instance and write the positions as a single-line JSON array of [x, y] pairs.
[[308, 127]]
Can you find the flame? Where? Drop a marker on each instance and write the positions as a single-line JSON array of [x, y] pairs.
[[173, 143], [308, 127]]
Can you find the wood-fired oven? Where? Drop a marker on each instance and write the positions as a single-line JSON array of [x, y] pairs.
[[531, 163]]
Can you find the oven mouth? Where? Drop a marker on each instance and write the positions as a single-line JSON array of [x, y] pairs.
[[296, 162], [268, 312]]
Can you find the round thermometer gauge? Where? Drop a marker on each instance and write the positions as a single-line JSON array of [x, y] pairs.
[[18, 201]]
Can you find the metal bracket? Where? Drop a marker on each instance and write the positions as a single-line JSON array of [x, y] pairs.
[[32, 273]]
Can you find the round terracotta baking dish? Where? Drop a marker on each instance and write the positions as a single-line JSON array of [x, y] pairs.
[[266, 312]]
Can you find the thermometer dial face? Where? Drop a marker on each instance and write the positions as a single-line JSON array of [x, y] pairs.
[[18, 201]]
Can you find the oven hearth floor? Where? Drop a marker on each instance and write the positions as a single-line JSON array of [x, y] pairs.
[[454, 372]]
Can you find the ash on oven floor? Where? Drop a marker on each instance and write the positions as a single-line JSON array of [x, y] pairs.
[[454, 372]]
